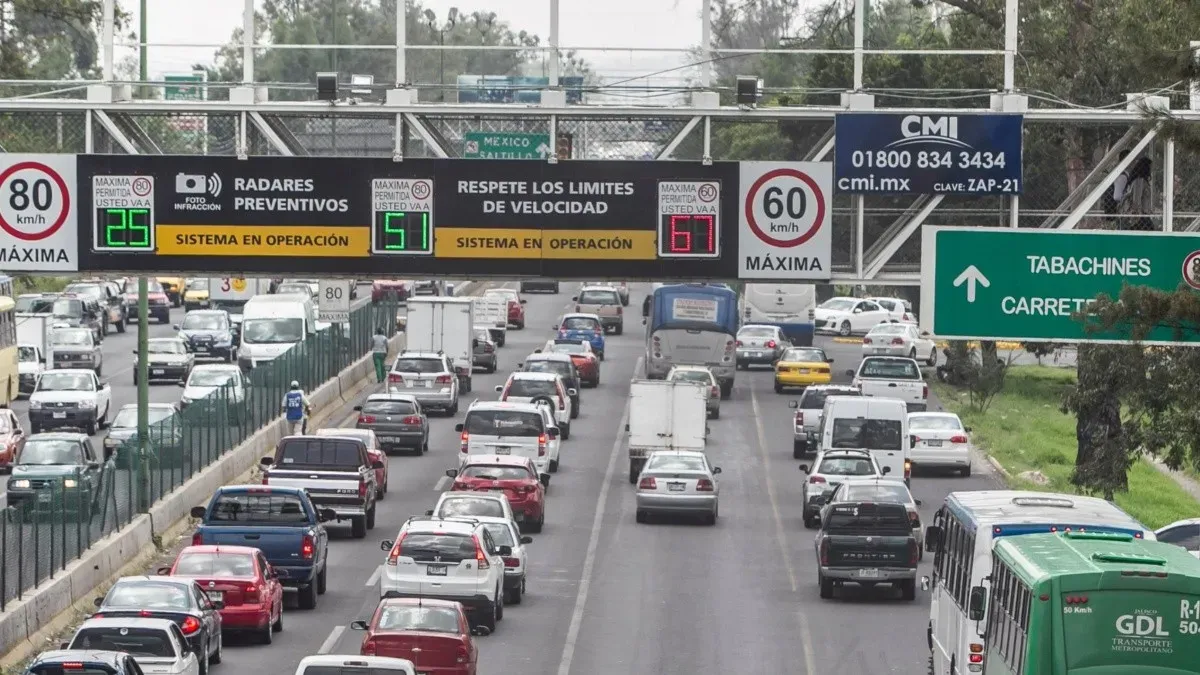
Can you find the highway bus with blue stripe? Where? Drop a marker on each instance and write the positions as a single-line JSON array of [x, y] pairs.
[[961, 538], [788, 306], [692, 325]]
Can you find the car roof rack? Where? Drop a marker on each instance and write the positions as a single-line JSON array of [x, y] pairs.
[[466, 520]]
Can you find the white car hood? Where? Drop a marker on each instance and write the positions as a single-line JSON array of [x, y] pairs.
[[62, 396], [194, 392], [169, 359], [266, 351]]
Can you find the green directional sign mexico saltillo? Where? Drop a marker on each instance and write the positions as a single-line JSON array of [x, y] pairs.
[[484, 145], [992, 283]]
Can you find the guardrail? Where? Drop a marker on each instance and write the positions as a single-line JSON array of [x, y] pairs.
[[41, 536]]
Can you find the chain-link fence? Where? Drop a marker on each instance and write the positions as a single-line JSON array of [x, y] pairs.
[[53, 518]]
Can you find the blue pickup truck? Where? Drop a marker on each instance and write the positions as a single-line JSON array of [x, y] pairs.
[[281, 522]]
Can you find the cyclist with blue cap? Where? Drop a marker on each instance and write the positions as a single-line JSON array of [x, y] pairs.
[[297, 408]]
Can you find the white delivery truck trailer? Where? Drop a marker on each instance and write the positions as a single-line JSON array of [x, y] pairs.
[[232, 293], [491, 310], [446, 325], [665, 415], [33, 330]]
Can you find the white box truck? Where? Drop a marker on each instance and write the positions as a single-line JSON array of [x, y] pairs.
[[446, 325], [33, 331], [491, 310], [665, 415]]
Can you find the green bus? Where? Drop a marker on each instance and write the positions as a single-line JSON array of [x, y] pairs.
[[1088, 603]]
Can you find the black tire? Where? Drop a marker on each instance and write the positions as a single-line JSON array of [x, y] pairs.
[[322, 580], [844, 330], [218, 655], [908, 589], [203, 659], [716, 414], [912, 354], [554, 466], [619, 330], [120, 326], [810, 522], [726, 390], [371, 518], [267, 636], [566, 431], [799, 449], [574, 410], [965, 472], [278, 625], [778, 388], [512, 596], [489, 618], [308, 596], [826, 586], [358, 527], [641, 516], [536, 527], [424, 447], [932, 361]]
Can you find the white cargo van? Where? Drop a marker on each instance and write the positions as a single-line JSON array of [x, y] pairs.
[[446, 325], [665, 415], [879, 425], [273, 324]]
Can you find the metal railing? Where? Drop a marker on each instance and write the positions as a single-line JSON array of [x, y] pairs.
[[52, 525]]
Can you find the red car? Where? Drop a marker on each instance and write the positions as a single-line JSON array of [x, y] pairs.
[[516, 476], [12, 439], [382, 288], [434, 634], [581, 355], [240, 577], [157, 301], [516, 305], [374, 451]]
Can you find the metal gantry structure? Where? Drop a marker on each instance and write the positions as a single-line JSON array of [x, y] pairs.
[[874, 242]]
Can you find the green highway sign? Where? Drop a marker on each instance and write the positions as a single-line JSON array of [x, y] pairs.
[[991, 283], [183, 87], [483, 145]]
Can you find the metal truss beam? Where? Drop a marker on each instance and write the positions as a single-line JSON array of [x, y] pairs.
[[822, 147], [672, 146], [1105, 163], [1077, 214], [899, 232], [277, 135], [898, 278], [434, 144], [361, 109], [115, 132]]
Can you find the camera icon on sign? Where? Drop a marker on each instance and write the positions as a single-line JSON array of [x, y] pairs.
[[197, 184]]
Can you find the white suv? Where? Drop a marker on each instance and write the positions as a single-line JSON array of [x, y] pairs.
[[520, 429], [450, 559], [527, 387]]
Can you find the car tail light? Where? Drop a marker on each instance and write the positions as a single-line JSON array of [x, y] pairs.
[[481, 561], [907, 316], [897, 341], [465, 441], [715, 391], [866, 341], [488, 349], [542, 445], [395, 378], [529, 488], [456, 485], [308, 547], [907, 469], [914, 519], [770, 344], [816, 479], [366, 419], [71, 665], [914, 552], [362, 489], [958, 439], [198, 539], [442, 379], [704, 485], [824, 551], [266, 479], [739, 343], [411, 419], [648, 483], [190, 625], [977, 658], [728, 347], [461, 655], [394, 554], [619, 311], [512, 562], [562, 405], [925, 391], [368, 647], [250, 593], [799, 423]]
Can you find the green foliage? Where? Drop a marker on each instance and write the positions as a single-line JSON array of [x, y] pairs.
[[980, 373], [1040, 350], [49, 39], [30, 284]]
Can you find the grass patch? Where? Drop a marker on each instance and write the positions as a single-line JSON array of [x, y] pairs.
[[1025, 431], [27, 284]]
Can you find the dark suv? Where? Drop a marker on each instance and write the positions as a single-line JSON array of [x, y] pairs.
[[75, 311]]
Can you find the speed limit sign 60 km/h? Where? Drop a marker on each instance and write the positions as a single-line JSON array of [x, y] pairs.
[[785, 220], [38, 229]]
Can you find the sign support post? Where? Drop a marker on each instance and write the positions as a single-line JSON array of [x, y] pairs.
[[143, 398]]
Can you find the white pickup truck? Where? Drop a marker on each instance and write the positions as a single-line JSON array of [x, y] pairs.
[[892, 377], [71, 398]]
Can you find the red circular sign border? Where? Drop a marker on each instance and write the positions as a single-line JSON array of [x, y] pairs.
[[749, 208], [1184, 269], [66, 197]]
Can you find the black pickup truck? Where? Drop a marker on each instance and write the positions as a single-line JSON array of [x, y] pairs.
[[866, 543]]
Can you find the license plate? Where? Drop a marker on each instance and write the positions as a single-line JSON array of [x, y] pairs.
[[675, 487], [803, 371], [869, 574], [201, 348], [503, 450], [756, 354], [388, 439], [60, 416], [429, 384], [44, 497], [934, 444], [158, 371], [435, 570], [501, 490], [216, 596]]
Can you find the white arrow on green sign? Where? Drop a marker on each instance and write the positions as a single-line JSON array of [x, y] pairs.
[[484, 145], [991, 283]]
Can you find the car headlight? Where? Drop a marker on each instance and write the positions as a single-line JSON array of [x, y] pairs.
[[35, 405], [20, 484], [86, 405], [70, 482]]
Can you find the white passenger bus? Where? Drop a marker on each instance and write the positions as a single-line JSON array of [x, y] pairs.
[[961, 538]]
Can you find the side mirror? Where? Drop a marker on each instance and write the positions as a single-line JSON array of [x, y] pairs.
[[933, 538], [575, 298], [358, 625], [572, 392], [64, 645], [850, 373], [452, 473], [537, 351], [828, 360], [544, 479], [804, 468], [358, 408], [386, 545], [474, 343], [376, 465], [716, 470], [174, 326], [326, 515], [217, 604], [553, 432], [526, 539], [503, 550], [182, 385], [924, 583], [267, 461], [198, 511], [459, 426], [925, 333], [429, 512], [977, 604], [918, 502], [499, 388], [98, 601], [887, 470], [164, 571], [643, 321], [793, 405], [523, 301]]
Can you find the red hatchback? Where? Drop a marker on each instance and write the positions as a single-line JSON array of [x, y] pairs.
[[434, 634], [515, 476], [240, 577], [516, 305]]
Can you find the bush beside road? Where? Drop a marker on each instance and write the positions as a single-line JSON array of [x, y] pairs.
[[1025, 431]]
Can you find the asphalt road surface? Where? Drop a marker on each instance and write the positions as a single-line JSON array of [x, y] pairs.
[[607, 595]]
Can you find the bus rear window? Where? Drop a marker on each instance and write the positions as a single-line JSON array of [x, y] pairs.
[[1132, 630]]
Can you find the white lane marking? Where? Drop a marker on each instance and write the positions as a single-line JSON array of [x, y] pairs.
[[374, 576], [441, 483], [589, 559], [805, 636], [331, 641]]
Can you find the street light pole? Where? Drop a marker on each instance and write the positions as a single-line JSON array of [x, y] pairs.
[[143, 335]]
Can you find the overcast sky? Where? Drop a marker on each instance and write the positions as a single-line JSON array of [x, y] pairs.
[[584, 23]]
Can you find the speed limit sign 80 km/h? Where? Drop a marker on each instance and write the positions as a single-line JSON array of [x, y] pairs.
[[38, 229], [785, 230]]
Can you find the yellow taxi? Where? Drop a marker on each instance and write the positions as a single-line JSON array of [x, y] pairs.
[[195, 294], [801, 367], [173, 287]]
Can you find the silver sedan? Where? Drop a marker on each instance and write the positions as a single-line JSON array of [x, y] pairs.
[[678, 482], [760, 345]]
